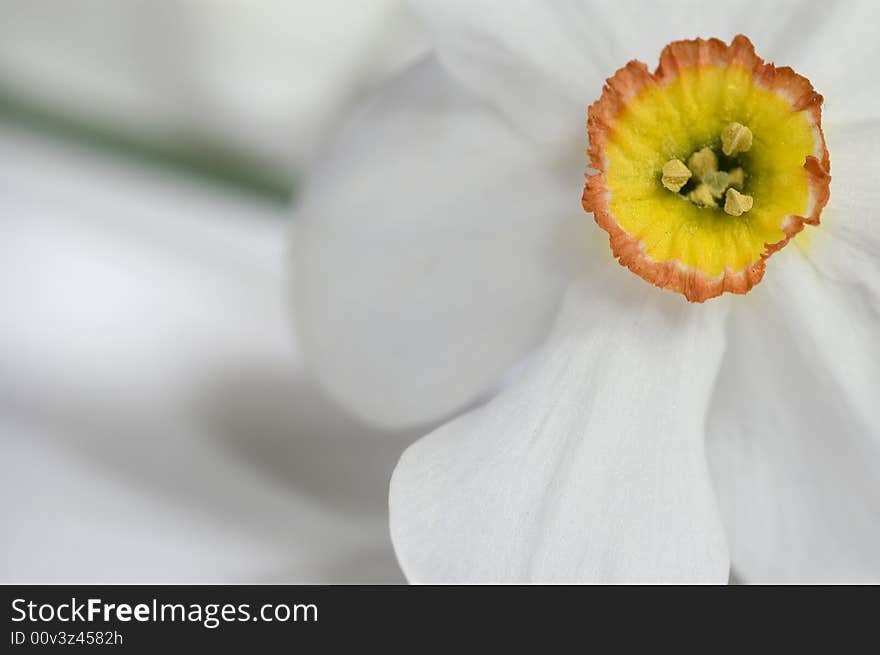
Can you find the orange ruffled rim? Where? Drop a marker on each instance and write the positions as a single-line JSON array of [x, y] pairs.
[[632, 78]]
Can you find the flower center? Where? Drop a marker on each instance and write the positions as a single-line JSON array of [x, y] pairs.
[[710, 176], [706, 167]]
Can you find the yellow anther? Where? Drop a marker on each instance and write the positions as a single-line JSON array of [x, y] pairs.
[[737, 203], [702, 195], [736, 178], [703, 162], [675, 175], [735, 138]]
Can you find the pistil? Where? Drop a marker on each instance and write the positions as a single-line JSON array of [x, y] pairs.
[[717, 181]]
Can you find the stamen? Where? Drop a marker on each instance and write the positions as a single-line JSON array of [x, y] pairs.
[[736, 178], [702, 196], [675, 175], [736, 203], [735, 138], [703, 162]]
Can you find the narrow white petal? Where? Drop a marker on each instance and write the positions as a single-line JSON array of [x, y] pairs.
[[431, 252], [829, 286], [590, 468], [794, 430], [846, 246]]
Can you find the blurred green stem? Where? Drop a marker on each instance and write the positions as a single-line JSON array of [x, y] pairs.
[[180, 153]]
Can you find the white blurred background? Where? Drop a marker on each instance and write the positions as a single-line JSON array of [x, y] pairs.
[[156, 421]]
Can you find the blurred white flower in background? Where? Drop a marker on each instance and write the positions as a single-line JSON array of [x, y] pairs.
[[266, 76], [438, 234], [156, 421]]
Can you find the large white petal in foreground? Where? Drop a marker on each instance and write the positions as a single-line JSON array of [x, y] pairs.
[[431, 252], [794, 441], [590, 468]]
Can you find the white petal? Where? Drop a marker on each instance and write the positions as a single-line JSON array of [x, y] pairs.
[[431, 252], [831, 282], [543, 63], [795, 430], [533, 60], [850, 86], [591, 468], [846, 246]]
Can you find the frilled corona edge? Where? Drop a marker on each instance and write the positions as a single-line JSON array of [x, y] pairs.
[[626, 83]]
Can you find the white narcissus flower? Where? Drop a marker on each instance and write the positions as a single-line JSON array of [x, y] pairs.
[[649, 438]]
